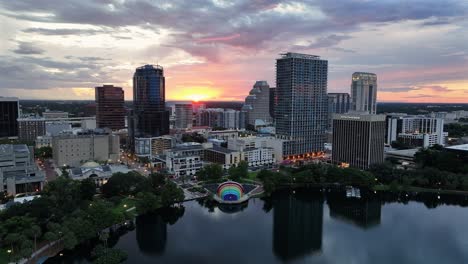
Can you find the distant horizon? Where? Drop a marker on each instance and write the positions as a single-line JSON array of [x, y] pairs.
[[226, 101]]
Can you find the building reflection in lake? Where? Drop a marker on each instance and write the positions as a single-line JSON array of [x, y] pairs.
[[151, 234], [297, 224], [364, 213]]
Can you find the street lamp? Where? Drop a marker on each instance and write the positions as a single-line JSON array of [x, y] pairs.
[[9, 254]]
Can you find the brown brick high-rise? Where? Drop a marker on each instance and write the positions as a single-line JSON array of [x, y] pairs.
[[110, 110]]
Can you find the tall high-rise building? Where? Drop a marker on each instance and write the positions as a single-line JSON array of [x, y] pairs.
[[364, 92], [110, 110], [31, 128], [183, 115], [273, 101], [257, 104], [338, 103], [301, 112], [9, 112], [358, 140], [151, 119]]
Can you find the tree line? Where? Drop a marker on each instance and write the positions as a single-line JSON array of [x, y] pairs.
[[69, 211]]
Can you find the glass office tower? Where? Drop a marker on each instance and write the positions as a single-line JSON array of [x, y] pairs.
[[301, 111]]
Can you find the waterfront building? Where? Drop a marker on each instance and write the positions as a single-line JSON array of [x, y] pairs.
[[30, 128], [364, 92], [415, 131], [183, 116], [9, 113], [259, 150], [257, 105], [301, 114], [18, 171], [73, 150], [358, 140], [180, 164], [110, 110]]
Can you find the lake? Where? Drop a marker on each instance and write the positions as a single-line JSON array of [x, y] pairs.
[[300, 226]]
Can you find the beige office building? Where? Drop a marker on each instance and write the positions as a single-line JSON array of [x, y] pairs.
[[73, 150]]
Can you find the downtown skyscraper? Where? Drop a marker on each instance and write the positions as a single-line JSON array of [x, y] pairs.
[[364, 92], [301, 112], [9, 113], [150, 117], [110, 109]]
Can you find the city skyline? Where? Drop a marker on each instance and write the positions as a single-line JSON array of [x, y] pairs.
[[53, 51]]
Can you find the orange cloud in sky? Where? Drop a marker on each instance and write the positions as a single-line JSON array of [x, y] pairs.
[[455, 92]]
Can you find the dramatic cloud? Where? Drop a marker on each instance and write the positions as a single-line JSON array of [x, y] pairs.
[[27, 48], [218, 48]]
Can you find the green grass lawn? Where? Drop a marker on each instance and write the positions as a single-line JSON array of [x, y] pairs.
[[252, 175], [125, 204], [3, 256]]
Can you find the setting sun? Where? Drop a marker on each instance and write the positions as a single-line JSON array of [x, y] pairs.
[[196, 94]]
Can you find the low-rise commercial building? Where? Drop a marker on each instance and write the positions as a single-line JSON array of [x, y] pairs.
[[99, 173], [18, 172], [181, 165], [223, 156], [73, 150], [150, 147]]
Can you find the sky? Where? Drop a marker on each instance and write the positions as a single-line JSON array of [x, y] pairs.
[[217, 49]]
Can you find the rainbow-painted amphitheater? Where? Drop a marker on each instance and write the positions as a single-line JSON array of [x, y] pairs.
[[230, 191]]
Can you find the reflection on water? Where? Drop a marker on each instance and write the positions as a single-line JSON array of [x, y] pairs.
[[364, 213], [301, 226], [297, 224], [151, 234]]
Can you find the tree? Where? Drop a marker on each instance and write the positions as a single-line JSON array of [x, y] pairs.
[[193, 137], [87, 189], [210, 172], [17, 232], [44, 152], [147, 202], [64, 196], [239, 171], [157, 180], [171, 194], [125, 184]]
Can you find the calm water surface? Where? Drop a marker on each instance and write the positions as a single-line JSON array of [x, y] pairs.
[[300, 227]]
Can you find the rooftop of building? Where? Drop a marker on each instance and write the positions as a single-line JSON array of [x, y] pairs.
[[222, 150], [150, 66], [463, 147], [403, 152], [8, 99], [359, 116], [298, 56], [7, 149], [31, 118]]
